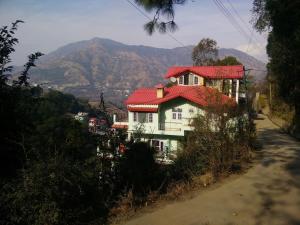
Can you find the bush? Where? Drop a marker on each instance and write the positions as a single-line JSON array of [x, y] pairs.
[[220, 142], [138, 169]]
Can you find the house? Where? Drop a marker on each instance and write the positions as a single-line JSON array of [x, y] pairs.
[[226, 79], [97, 125], [163, 115]]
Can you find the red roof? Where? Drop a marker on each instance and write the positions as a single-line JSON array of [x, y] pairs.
[[213, 72], [200, 95]]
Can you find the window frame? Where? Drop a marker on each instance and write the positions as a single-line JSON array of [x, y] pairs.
[[196, 78], [135, 116], [150, 118], [180, 80], [177, 113]]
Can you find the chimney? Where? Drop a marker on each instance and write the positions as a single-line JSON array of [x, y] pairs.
[[159, 91]]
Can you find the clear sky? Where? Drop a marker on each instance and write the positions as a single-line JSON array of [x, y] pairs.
[[50, 24]]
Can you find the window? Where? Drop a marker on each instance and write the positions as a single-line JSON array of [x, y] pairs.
[[135, 116], [176, 113], [150, 117], [142, 117], [196, 80], [191, 110], [179, 116], [186, 79], [181, 80]]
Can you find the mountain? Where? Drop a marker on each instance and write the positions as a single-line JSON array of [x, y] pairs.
[[89, 67]]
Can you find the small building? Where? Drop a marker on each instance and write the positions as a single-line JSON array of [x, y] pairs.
[[97, 125]]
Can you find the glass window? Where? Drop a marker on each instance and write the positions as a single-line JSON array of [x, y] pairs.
[[174, 115], [186, 79], [150, 117], [142, 117], [196, 80], [135, 116], [179, 115], [181, 80]]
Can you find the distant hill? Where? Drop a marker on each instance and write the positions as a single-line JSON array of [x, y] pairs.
[[87, 67]]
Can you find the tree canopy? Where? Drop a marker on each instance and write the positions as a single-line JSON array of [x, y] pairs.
[[282, 20], [48, 161], [162, 8], [205, 53]]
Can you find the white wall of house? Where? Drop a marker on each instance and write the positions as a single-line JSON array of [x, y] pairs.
[[193, 79], [173, 118]]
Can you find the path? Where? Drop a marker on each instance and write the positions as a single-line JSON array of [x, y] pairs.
[[268, 194]]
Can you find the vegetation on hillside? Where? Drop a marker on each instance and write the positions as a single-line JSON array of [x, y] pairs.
[[282, 20], [206, 52], [53, 171]]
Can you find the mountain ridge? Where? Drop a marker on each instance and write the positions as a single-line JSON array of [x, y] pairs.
[[88, 67]]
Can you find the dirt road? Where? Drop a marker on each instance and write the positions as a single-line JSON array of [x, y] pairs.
[[268, 194]]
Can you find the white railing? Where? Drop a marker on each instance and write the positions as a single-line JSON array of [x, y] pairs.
[[170, 126]]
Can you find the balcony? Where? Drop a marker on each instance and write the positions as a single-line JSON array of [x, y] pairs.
[[170, 126]]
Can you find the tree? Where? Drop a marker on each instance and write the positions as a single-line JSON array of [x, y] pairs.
[[49, 169], [228, 61], [162, 8], [282, 19], [7, 43], [205, 53]]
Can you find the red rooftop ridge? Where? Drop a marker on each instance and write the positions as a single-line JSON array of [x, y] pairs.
[[201, 95], [212, 72]]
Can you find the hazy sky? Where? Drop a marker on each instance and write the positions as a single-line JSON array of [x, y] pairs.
[[50, 24]]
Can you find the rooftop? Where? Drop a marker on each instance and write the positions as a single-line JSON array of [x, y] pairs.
[[213, 72], [203, 96]]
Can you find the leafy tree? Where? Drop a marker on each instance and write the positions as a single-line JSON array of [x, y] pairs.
[[282, 19], [162, 8], [23, 78], [228, 61], [7, 43], [48, 164], [205, 53]]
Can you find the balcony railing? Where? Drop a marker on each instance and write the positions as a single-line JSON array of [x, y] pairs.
[[170, 126]]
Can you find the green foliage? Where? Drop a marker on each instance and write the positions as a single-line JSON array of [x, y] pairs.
[[7, 43], [48, 164], [220, 142], [162, 9], [228, 61], [138, 168], [283, 19], [205, 53], [23, 78]]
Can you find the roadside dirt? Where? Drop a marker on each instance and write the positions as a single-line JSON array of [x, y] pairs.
[[269, 193]]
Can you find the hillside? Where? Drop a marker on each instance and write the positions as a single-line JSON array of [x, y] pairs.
[[86, 68]]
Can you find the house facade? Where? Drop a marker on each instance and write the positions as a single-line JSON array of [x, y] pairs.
[[163, 115]]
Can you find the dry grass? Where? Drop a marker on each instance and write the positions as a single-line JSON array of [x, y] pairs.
[[125, 207]]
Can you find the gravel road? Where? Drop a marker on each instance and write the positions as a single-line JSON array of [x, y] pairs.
[[268, 194]]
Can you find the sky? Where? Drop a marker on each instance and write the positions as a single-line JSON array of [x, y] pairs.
[[50, 24]]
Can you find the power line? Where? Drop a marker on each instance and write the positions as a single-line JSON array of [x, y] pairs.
[[231, 19], [246, 24], [234, 22], [145, 15]]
